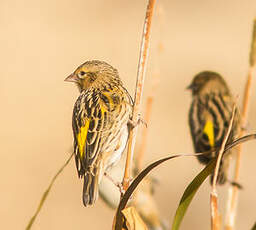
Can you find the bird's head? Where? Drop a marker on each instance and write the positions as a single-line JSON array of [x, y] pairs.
[[97, 74], [207, 82]]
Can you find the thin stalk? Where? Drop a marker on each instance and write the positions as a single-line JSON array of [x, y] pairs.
[[148, 111], [233, 191], [138, 92], [215, 215], [46, 193], [142, 149], [154, 84]]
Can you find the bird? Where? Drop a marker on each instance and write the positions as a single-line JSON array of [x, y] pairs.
[[100, 123], [209, 116]]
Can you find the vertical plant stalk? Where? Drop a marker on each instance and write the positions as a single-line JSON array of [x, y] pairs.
[[154, 84], [142, 149], [215, 216], [138, 92], [233, 191], [148, 111], [46, 193]]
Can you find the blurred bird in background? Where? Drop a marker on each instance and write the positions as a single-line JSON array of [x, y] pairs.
[[100, 123], [209, 117]]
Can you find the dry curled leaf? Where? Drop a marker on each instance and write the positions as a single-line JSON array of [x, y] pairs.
[[146, 206], [133, 220]]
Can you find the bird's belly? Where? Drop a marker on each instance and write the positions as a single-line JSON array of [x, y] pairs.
[[119, 149]]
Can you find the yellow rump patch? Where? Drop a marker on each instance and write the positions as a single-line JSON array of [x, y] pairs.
[[209, 131], [81, 137]]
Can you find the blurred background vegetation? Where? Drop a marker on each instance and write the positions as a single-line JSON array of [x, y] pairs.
[[42, 42]]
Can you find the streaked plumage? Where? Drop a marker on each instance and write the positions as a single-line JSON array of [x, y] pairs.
[[209, 117], [100, 123]]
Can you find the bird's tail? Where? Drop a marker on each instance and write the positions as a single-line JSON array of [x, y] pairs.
[[90, 190]]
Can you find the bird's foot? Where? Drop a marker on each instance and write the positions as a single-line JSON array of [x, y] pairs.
[[133, 124], [236, 184], [119, 185]]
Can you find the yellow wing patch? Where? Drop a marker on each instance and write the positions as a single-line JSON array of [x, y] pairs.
[[108, 96], [81, 137], [103, 110], [209, 131]]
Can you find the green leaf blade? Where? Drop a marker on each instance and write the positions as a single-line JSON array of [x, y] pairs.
[[190, 192]]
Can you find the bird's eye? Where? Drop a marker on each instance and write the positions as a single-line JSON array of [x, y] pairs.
[[81, 74]]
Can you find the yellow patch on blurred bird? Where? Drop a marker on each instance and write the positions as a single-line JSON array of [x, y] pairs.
[[209, 131], [209, 113]]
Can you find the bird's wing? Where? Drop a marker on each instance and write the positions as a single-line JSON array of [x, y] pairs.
[[209, 119], [97, 118]]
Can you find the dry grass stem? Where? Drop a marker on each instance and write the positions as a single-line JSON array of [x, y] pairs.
[[148, 111], [142, 149], [138, 91], [45, 194], [233, 193], [158, 49], [215, 216], [222, 148]]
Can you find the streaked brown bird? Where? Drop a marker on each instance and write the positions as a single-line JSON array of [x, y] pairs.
[[209, 117], [100, 123]]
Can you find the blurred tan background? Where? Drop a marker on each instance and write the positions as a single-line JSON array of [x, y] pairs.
[[42, 42]]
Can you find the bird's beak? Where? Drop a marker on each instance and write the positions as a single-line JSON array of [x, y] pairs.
[[72, 78]]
